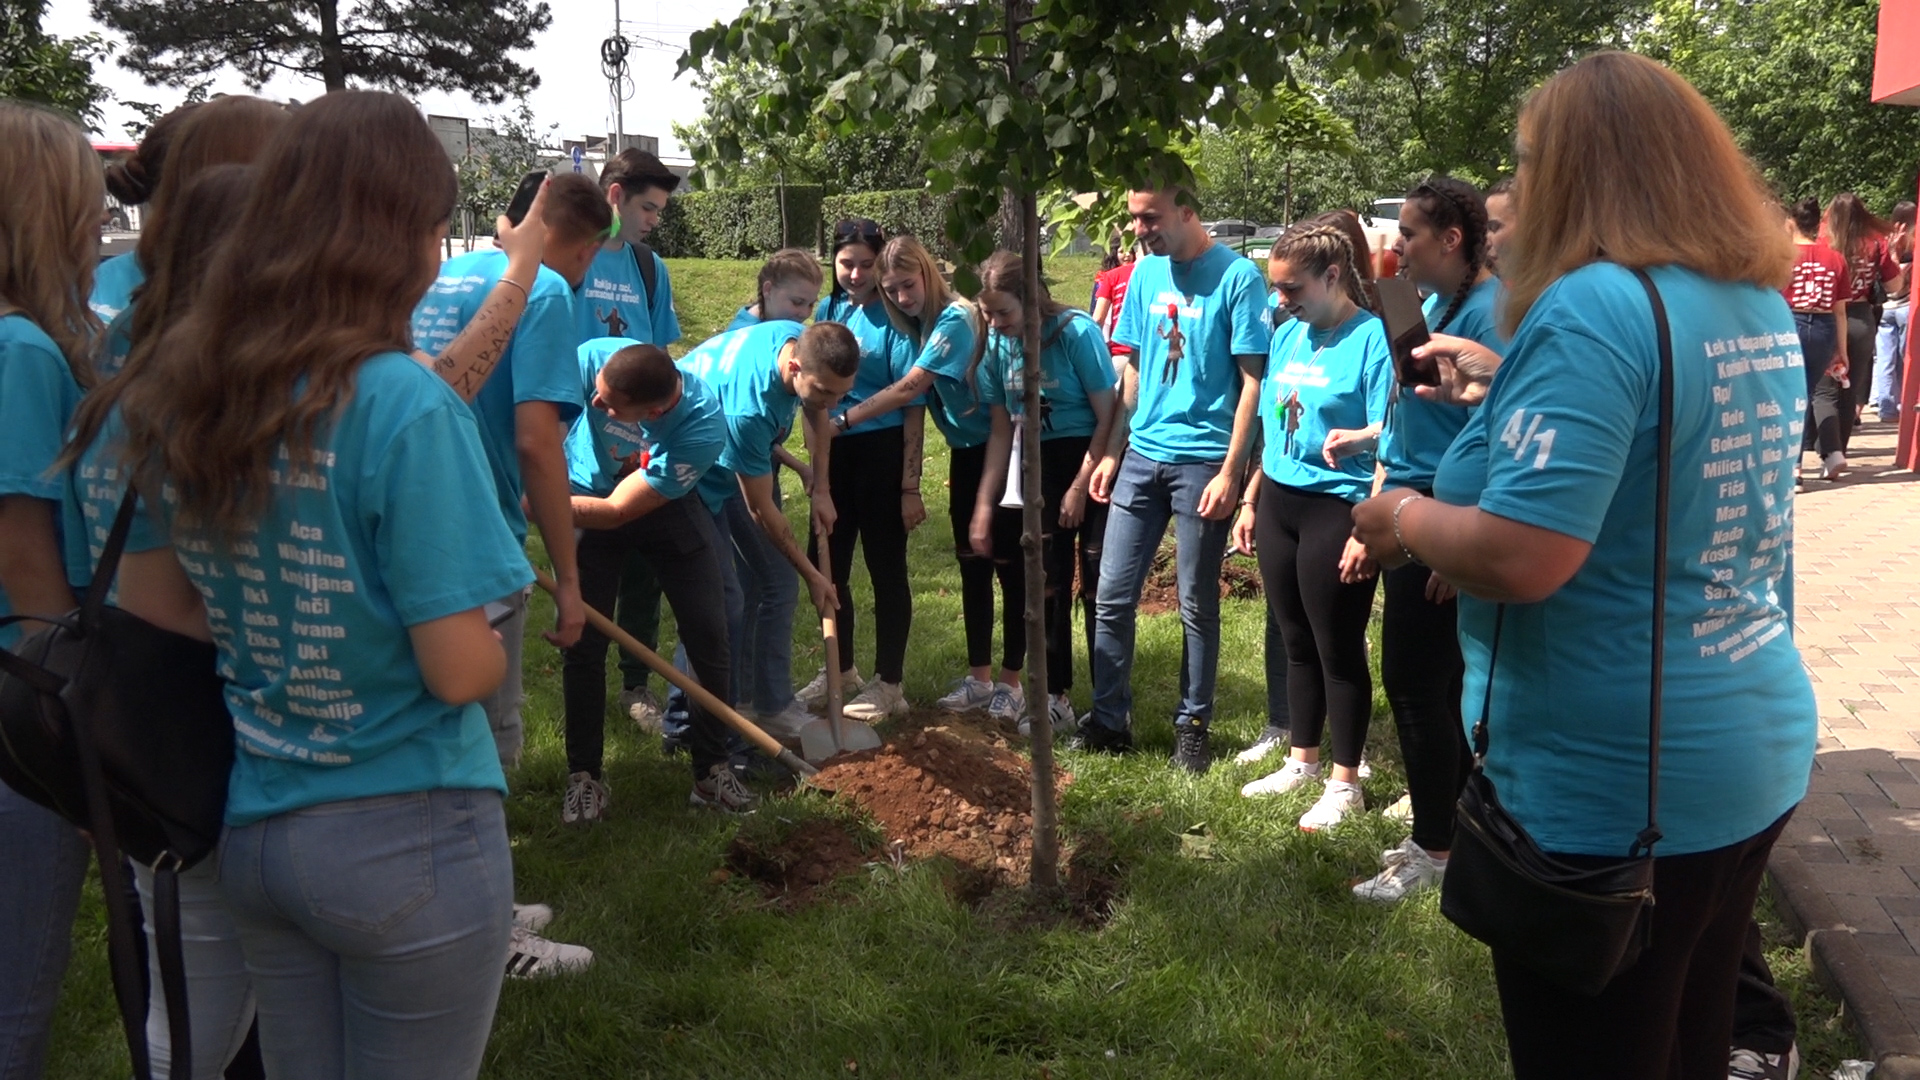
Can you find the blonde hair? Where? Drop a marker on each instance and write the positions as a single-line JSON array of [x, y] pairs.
[[50, 228], [1313, 246], [904, 254], [1622, 160], [787, 264]]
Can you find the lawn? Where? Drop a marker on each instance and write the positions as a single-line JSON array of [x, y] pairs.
[[1245, 957]]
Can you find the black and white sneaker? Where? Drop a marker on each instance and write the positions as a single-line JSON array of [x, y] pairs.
[[530, 956], [723, 791], [1101, 739], [1750, 1065], [1192, 749]]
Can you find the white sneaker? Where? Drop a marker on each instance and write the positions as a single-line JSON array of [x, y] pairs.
[[878, 701], [530, 956], [785, 724], [1401, 810], [532, 918], [1406, 869], [1059, 712], [1270, 740], [967, 693], [1336, 802], [642, 708], [1834, 466], [1009, 704], [722, 791], [1365, 770], [586, 799], [1752, 1065], [1295, 773], [814, 694]]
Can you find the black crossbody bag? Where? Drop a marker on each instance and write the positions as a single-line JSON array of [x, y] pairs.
[[1576, 926], [121, 727]]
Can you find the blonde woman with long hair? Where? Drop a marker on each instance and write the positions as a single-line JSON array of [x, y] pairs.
[[1543, 515], [49, 242]]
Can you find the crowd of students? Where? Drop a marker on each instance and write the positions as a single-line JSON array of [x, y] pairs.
[[341, 442]]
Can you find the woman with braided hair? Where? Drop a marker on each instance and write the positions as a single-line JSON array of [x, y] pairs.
[[1322, 403], [1443, 248]]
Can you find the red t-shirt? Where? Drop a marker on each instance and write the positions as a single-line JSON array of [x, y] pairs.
[[1817, 278], [1874, 261], [1111, 285]]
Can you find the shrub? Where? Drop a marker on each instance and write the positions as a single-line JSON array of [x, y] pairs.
[[739, 223]]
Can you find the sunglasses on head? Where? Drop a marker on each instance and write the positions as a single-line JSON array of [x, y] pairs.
[[858, 230]]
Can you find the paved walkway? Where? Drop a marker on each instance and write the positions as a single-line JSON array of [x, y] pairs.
[[1849, 863]]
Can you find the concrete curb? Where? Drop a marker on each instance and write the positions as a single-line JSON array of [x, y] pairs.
[[1845, 969]]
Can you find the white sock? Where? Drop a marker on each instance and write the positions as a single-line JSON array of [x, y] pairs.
[[1311, 768], [1341, 785]]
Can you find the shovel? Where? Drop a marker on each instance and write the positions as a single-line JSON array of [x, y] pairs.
[[701, 695], [835, 734]]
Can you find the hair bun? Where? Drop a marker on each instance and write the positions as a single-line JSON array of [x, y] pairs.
[[128, 182]]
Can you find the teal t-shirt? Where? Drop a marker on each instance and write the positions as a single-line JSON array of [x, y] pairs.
[[674, 451], [390, 523], [113, 285], [1185, 323], [1419, 431], [1074, 365], [958, 406], [742, 369], [885, 355], [1319, 381], [38, 395], [1566, 441], [540, 364], [743, 319], [613, 300]]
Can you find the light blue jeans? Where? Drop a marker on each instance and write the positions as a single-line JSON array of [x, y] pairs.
[[770, 591], [376, 932], [1146, 496], [43, 860], [219, 993], [1890, 360]]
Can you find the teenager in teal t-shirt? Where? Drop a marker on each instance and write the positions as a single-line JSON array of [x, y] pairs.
[[1195, 318], [616, 298], [1076, 407], [1322, 404]]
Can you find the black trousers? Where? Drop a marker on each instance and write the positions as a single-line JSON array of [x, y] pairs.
[[864, 474], [1670, 1016], [1826, 399], [1862, 328], [1065, 548], [1762, 1016], [977, 574], [1421, 666], [1300, 536], [678, 540]]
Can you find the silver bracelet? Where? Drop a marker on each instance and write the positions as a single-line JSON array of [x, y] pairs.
[[1398, 536]]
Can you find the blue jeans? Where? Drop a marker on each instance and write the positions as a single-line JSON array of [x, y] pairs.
[[219, 992], [376, 933], [43, 860], [1146, 495], [1890, 360], [770, 591]]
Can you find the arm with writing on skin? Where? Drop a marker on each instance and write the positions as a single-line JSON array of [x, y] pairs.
[[472, 355], [633, 497]]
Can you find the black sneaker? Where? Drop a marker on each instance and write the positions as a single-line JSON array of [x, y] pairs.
[[1191, 749], [1101, 739]]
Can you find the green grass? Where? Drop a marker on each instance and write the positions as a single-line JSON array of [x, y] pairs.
[[1254, 963]]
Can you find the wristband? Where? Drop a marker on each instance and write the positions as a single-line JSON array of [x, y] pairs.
[[1397, 536], [505, 280]]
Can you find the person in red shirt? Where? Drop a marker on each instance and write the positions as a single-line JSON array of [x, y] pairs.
[[1853, 231], [1817, 296], [1109, 294]]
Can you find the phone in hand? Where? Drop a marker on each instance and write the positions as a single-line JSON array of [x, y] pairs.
[[1406, 331], [523, 196], [496, 613]]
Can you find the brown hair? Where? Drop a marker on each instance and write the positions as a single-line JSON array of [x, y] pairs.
[[1623, 160], [787, 264], [226, 130], [1348, 222], [1450, 203], [904, 254], [576, 209], [1004, 272], [1851, 227], [50, 228], [636, 171], [829, 346], [134, 178], [272, 345], [643, 374], [1314, 246]]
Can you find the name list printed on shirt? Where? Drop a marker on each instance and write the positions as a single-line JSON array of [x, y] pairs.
[[1754, 437]]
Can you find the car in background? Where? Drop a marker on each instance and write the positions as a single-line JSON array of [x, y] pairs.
[[1381, 223], [1260, 244], [1228, 230]]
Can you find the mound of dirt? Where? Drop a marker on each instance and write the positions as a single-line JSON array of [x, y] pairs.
[[1239, 577], [814, 854], [938, 793]]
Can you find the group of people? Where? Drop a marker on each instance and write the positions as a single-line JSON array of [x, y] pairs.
[[393, 424]]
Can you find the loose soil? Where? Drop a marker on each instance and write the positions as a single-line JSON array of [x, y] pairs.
[[816, 853], [1239, 577]]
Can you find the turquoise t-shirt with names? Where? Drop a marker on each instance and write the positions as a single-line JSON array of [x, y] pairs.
[[1074, 365], [613, 300], [886, 356], [742, 369], [1185, 323], [674, 451], [388, 522], [540, 363], [1319, 381], [1565, 441], [113, 285], [958, 406], [38, 395], [1419, 431]]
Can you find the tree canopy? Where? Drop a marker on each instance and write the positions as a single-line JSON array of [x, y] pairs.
[[403, 45], [57, 72]]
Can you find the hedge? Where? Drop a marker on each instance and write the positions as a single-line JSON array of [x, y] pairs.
[[739, 223]]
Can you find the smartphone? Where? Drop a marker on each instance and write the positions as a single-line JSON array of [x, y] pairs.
[[1406, 331], [523, 196], [496, 613]]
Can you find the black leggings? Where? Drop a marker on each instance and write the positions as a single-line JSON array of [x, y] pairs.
[[1060, 461], [1300, 536], [977, 574], [1421, 666], [1862, 327], [1826, 400], [864, 476]]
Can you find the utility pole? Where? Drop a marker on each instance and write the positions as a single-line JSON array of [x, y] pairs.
[[613, 64]]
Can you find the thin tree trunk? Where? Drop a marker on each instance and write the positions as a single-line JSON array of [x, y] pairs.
[[333, 65]]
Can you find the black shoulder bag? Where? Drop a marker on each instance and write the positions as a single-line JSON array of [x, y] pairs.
[[122, 728], [1576, 926]]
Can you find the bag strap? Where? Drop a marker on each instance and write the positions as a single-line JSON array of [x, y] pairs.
[[649, 274], [1662, 496], [109, 564]]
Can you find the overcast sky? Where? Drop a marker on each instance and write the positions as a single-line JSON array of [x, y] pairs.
[[572, 93]]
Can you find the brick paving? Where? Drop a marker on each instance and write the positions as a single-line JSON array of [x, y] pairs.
[[1848, 865]]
